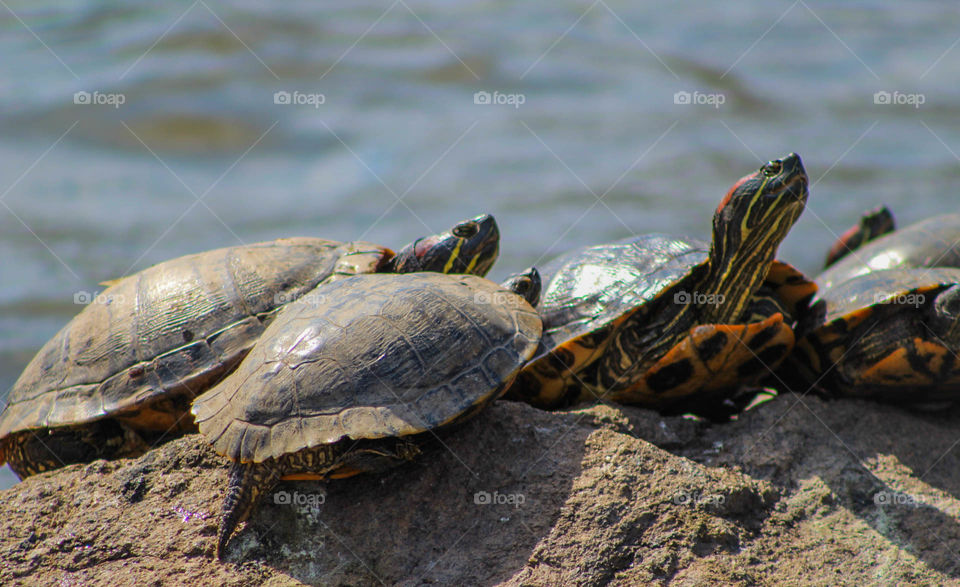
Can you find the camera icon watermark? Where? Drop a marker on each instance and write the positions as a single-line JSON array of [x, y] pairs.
[[85, 298], [899, 98], [288, 297], [497, 298], [284, 297], [684, 98], [299, 499], [297, 98], [485, 98], [698, 499], [497, 498], [700, 299], [895, 498], [99, 99]]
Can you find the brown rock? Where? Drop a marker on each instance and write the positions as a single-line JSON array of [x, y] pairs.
[[798, 491]]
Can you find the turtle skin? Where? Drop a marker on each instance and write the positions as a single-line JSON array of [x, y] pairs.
[[588, 291], [891, 335], [359, 380], [120, 376]]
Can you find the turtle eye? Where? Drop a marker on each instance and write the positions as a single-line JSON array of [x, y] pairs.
[[465, 229], [772, 168]]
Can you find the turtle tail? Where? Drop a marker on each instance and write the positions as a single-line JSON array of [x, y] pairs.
[[247, 485]]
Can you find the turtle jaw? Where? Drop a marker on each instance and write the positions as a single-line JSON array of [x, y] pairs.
[[470, 247]]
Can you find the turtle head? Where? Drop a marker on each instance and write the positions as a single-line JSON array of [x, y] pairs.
[[945, 315], [469, 247], [758, 212], [525, 284], [877, 222], [872, 225]]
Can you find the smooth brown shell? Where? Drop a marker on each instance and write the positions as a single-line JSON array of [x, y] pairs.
[[176, 327], [373, 356]]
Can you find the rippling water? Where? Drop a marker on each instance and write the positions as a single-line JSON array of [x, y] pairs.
[[199, 154]]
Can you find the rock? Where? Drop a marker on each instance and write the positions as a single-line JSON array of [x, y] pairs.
[[796, 491]]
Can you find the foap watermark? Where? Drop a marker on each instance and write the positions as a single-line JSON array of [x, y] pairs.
[[484, 98], [85, 298], [904, 299], [684, 98], [99, 99], [297, 98], [695, 498], [700, 299], [497, 498], [299, 499], [899, 98], [895, 498], [497, 298], [310, 297]]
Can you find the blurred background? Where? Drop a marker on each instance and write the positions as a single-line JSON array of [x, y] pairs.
[[132, 133]]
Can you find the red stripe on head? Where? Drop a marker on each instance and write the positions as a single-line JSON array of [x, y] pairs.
[[740, 182], [424, 245]]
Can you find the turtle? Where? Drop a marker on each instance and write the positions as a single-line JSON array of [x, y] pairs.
[[672, 323], [890, 334], [119, 377], [934, 242], [872, 225], [359, 380]]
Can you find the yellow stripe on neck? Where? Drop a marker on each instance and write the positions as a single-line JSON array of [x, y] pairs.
[[473, 264], [453, 257]]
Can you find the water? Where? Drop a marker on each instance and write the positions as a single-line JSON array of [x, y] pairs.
[[200, 156]]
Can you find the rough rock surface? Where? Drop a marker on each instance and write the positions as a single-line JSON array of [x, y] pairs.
[[797, 491]]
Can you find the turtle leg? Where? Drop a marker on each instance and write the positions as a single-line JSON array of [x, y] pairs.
[[555, 380], [712, 361], [247, 485], [790, 288], [35, 451], [249, 482], [346, 460], [763, 304]]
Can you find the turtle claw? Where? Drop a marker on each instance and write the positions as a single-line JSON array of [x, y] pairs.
[[248, 483]]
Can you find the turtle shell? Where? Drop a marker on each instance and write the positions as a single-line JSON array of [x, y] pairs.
[[174, 328], [934, 242], [589, 288], [886, 334], [376, 356], [861, 294], [588, 292]]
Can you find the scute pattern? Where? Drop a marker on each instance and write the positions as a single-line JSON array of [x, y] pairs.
[[590, 292], [115, 356], [588, 288], [370, 356]]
